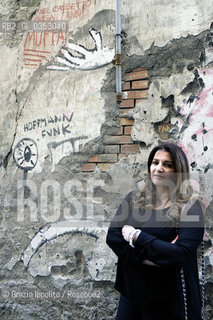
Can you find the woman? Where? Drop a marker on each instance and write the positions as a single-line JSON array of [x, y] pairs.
[[155, 234]]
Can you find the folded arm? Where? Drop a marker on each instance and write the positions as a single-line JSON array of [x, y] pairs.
[[163, 253]]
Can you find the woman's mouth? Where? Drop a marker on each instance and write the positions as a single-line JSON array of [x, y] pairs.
[[158, 176]]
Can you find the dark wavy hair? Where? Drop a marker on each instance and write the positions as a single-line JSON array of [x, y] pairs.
[[182, 191]]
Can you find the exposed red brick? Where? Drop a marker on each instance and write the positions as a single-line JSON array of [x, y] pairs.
[[104, 166], [133, 148], [126, 122], [111, 157], [135, 94], [117, 140], [127, 130], [164, 135], [121, 156], [126, 85], [165, 127], [143, 84], [136, 75], [88, 167], [112, 148], [127, 103], [120, 144], [94, 159]]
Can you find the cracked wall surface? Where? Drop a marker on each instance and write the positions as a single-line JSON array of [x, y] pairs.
[[69, 153]]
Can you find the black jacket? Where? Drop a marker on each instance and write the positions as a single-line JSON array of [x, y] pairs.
[[158, 286]]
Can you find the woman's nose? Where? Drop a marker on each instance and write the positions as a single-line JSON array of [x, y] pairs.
[[160, 167]]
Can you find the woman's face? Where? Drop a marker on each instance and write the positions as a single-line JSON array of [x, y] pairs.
[[162, 169]]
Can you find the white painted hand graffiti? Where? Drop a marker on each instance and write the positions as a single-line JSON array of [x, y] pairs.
[[87, 59]]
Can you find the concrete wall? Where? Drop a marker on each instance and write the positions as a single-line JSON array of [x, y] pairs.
[[69, 153]]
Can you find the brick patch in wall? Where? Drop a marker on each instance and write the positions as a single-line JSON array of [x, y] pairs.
[[163, 130], [127, 130], [87, 167], [136, 75], [103, 166], [126, 85], [143, 84], [121, 156], [111, 157], [118, 145], [135, 94], [127, 103], [126, 122], [165, 127], [129, 148], [117, 139], [112, 149]]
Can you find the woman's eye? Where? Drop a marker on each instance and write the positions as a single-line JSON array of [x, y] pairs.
[[169, 165], [155, 162]]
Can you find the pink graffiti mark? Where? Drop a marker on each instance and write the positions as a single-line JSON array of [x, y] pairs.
[[196, 137], [183, 147], [210, 113], [199, 131], [205, 72], [201, 102], [199, 106]]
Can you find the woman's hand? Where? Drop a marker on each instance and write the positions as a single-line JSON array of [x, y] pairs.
[[126, 231], [173, 241], [149, 263]]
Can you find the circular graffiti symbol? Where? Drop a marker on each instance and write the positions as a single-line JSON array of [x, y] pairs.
[[26, 154]]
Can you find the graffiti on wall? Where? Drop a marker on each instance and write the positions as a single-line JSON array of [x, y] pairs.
[[80, 58], [196, 136], [51, 129], [51, 126], [56, 234], [197, 112], [52, 231], [25, 154], [66, 11], [38, 44], [74, 146]]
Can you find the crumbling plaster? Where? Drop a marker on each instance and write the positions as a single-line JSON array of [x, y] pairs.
[[162, 21], [146, 116]]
